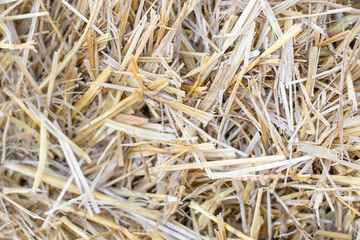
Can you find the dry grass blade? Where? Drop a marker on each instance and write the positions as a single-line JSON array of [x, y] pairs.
[[90, 93], [139, 132], [42, 157]]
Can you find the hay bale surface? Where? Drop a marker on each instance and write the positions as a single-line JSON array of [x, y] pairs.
[[155, 119]]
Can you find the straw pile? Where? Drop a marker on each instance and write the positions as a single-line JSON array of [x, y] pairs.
[[179, 119]]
